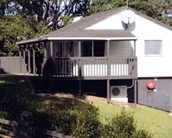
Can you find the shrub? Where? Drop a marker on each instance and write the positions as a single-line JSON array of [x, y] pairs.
[[123, 126], [141, 134], [86, 123], [11, 103], [81, 120]]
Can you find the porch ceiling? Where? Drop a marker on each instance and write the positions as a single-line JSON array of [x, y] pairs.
[[84, 35]]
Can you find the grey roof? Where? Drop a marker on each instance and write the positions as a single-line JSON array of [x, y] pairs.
[[93, 34], [85, 35], [77, 30]]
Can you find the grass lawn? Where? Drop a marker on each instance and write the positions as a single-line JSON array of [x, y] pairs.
[[157, 122]]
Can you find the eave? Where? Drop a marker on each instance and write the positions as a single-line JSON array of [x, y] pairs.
[[118, 35]]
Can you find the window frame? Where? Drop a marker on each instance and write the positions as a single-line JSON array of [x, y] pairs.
[[153, 55]]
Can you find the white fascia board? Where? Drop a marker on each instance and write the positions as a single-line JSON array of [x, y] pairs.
[[77, 38], [31, 41], [93, 38]]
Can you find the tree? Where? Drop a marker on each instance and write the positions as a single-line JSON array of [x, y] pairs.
[[103, 5], [3, 6], [17, 28], [55, 11], [23, 7], [157, 9]]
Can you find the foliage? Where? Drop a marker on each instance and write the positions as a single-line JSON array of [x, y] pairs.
[[123, 126], [157, 9], [17, 28], [54, 11], [21, 7], [12, 97], [86, 120], [80, 120], [104, 5]]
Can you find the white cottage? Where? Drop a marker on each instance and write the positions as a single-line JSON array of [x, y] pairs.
[[122, 47]]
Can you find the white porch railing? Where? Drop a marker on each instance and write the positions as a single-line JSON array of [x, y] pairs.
[[96, 67]]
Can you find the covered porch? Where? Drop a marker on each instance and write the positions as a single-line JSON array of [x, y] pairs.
[[88, 54], [85, 55]]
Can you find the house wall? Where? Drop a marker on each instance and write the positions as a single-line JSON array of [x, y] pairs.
[[143, 29], [161, 98], [120, 48], [149, 67], [153, 66]]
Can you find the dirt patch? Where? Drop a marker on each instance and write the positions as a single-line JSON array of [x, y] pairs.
[[95, 99]]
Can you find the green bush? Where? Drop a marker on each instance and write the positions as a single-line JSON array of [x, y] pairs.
[[11, 103], [81, 120], [123, 126], [141, 134], [86, 123]]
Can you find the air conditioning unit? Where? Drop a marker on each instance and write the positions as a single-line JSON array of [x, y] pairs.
[[119, 93]]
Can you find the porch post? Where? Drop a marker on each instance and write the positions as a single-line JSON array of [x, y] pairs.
[[135, 92], [33, 51], [19, 52], [44, 58], [79, 49], [45, 50], [135, 81], [108, 74], [24, 54], [51, 67], [134, 47], [51, 49], [28, 51], [20, 59], [79, 67], [92, 46]]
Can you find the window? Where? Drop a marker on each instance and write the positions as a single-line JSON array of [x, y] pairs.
[[86, 49], [153, 47], [99, 48]]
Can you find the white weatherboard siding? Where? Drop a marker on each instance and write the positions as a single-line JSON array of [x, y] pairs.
[[112, 22], [143, 29], [153, 66], [120, 48]]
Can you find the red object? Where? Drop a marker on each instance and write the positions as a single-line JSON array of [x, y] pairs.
[[150, 85]]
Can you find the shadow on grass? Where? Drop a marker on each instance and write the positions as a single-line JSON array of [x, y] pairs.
[[16, 96]]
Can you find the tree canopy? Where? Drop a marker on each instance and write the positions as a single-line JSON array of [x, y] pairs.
[[17, 28]]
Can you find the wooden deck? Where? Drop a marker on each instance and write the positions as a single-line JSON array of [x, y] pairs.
[[84, 68], [92, 68]]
